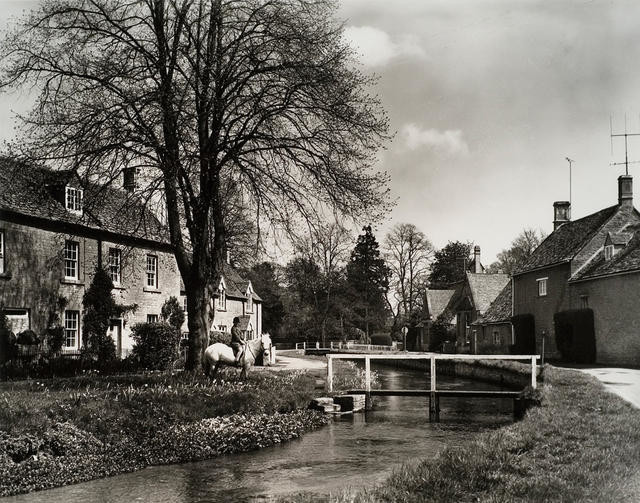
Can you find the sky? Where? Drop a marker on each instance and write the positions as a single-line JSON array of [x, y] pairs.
[[487, 99]]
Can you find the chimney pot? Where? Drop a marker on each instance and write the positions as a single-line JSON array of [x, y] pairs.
[[477, 266], [625, 191], [561, 213]]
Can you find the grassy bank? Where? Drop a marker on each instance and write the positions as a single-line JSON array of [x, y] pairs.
[[581, 444], [61, 431]]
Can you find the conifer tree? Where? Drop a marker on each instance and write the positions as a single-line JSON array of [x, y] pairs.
[[368, 279]]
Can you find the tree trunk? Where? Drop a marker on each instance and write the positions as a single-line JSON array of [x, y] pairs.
[[198, 307]]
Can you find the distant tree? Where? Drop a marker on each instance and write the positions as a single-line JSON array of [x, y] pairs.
[[368, 280], [449, 264], [327, 246], [99, 307], [408, 253], [267, 284], [522, 247]]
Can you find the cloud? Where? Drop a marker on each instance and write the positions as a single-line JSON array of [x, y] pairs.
[[449, 143], [376, 47]]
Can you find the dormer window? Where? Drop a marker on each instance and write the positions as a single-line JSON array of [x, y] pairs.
[[609, 252], [73, 199]]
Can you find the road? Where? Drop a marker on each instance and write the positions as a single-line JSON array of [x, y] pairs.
[[621, 381]]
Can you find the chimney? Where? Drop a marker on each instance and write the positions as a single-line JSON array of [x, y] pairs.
[[477, 266], [625, 191], [561, 213], [129, 176]]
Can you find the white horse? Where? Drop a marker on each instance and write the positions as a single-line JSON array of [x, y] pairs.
[[220, 354]]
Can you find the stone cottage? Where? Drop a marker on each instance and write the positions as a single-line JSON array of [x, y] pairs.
[[594, 263], [55, 230]]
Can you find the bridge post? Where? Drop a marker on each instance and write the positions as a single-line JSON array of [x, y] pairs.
[[434, 399], [329, 373], [367, 383], [533, 372]]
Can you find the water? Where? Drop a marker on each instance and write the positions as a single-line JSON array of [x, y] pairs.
[[351, 452]]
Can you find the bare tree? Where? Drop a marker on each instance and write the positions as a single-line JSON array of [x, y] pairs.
[[408, 254], [522, 247], [328, 246], [193, 93]]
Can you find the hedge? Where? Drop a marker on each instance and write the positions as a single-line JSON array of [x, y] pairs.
[[575, 335]]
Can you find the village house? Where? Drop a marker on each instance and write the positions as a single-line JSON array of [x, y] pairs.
[[473, 297], [588, 264], [55, 230], [435, 304], [493, 330]]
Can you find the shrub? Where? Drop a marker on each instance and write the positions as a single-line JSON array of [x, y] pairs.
[[172, 313], [99, 307], [155, 345], [55, 339], [28, 338], [440, 332], [575, 335], [524, 329], [216, 336], [381, 340]]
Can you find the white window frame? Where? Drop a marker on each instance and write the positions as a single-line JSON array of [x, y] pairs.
[[73, 198], [71, 329], [115, 265], [71, 259], [542, 286], [184, 304], [609, 252], [152, 271], [2, 254], [153, 318], [496, 338]]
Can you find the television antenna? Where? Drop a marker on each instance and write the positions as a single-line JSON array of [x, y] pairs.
[[571, 161], [626, 144]]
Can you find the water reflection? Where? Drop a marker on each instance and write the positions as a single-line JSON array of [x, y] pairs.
[[353, 451]]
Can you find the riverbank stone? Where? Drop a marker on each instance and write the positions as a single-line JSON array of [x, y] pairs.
[[350, 403]]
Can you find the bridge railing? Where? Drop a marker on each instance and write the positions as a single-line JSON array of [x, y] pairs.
[[432, 357]]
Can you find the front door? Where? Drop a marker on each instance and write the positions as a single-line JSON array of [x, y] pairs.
[[115, 332]]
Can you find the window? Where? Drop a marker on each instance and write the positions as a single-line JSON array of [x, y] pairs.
[[71, 259], [584, 301], [1, 252], [73, 199], [222, 328], [184, 304], [542, 287], [114, 265], [71, 338], [222, 297], [608, 252], [152, 318], [497, 340], [249, 303], [152, 271]]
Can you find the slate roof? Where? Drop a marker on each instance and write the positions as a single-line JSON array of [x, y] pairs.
[[236, 284], [565, 242], [500, 309], [485, 288], [438, 300], [626, 260], [29, 190]]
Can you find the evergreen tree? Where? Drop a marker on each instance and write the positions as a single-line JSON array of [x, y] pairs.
[[368, 279], [265, 282], [100, 306], [450, 264]]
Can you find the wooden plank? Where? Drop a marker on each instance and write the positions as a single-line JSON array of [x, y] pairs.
[[329, 374]]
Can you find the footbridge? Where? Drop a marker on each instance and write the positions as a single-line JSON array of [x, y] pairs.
[[433, 392]]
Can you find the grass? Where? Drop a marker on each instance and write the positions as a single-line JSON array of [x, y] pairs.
[[581, 444]]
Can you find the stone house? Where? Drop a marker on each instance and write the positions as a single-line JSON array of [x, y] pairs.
[[592, 262], [55, 230], [493, 329], [435, 304]]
